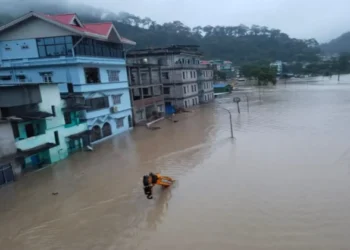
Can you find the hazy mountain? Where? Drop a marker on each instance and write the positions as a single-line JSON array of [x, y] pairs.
[[240, 44]]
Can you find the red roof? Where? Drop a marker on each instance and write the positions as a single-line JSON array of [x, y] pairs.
[[100, 29], [64, 18]]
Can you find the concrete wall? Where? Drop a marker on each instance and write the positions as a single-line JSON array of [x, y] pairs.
[[33, 28], [18, 49], [60, 74], [178, 91], [17, 96], [7, 140]]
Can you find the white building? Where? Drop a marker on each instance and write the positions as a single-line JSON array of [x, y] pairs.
[[278, 65]]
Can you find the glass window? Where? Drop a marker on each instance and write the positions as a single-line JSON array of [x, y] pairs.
[[166, 90], [184, 89], [40, 41], [97, 103], [68, 39], [113, 75], [106, 51], [116, 99], [88, 51], [50, 50], [49, 41], [42, 51], [60, 50], [59, 40], [69, 49], [120, 122], [67, 118]]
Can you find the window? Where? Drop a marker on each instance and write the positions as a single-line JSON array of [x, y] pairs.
[[21, 78], [67, 118], [120, 122], [192, 88], [92, 75], [194, 74], [186, 74], [191, 74], [185, 103], [54, 46], [90, 47], [47, 76], [97, 103], [184, 89], [113, 75], [192, 102], [116, 99], [183, 75], [165, 75], [166, 90], [195, 87], [5, 78]]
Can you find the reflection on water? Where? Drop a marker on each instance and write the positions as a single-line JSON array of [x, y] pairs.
[[282, 184]]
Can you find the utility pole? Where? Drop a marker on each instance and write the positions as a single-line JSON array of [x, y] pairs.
[[230, 116]]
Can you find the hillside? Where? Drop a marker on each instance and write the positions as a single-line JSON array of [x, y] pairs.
[[338, 45], [240, 44]]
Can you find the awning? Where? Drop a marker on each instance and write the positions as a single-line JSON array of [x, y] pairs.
[[38, 115], [79, 135], [76, 108], [35, 150]]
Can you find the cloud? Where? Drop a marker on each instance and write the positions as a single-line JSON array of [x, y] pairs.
[[321, 19]]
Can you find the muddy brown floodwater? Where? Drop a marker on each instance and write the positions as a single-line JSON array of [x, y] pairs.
[[283, 183]]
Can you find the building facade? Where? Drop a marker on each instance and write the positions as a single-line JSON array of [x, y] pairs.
[[61, 49], [185, 81], [278, 65], [146, 91], [44, 127]]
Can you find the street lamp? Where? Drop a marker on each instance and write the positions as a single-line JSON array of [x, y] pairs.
[[230, 116]]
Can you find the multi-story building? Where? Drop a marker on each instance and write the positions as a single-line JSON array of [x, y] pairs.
[[278, 65], [61, 49], [45, 128], [185, 81], [146, 91]]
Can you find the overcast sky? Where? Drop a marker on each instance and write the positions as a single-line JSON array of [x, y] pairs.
[[321, 19]]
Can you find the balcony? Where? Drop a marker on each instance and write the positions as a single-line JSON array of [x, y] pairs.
[[148, 101], [187, 66], [75, 103], [90, 87], [145, 82], [36, 142]]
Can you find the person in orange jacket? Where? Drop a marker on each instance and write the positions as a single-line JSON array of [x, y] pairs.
[[155, 179]]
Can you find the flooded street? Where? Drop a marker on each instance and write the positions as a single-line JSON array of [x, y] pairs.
[[283, 183]]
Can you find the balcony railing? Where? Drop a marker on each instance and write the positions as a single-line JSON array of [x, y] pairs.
[[75, 103], [35, 141], [187, 66], [148, 101], [145, 82]]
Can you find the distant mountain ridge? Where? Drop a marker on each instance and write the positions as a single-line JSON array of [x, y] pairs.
[[338, 45], [239, 44]]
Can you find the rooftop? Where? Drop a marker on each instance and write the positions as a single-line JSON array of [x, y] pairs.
[[72, 23], [173, 49]]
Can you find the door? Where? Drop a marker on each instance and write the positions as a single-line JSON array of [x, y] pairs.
[[29, 130], [130, 121]]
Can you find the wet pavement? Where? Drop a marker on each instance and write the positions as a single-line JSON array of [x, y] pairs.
[[283, 183]]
